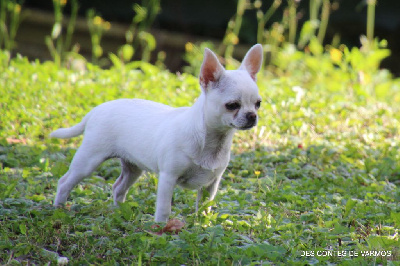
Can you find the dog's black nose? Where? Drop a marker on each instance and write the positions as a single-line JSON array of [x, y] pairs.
[[251, 117]]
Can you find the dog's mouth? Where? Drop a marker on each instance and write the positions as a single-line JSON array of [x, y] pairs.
[[246, 127]]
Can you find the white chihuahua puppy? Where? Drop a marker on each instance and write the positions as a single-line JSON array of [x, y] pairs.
[[187, 146]]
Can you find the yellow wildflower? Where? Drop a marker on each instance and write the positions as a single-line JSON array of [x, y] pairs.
[[234, 39], [336, 55], [257, 4], [17, 8], [189, 46], [97, 21], [106, 25]]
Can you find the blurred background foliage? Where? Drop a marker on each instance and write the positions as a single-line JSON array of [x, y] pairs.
[[166, 32]]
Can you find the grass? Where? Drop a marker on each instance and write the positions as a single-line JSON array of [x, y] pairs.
[[318, 176]]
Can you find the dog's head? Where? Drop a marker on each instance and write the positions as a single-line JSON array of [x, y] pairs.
[[232, 97]]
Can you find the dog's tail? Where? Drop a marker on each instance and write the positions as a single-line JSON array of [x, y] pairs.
[[66, 133]]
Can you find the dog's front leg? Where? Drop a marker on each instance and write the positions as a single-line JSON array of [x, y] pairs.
[[213, 188], [166, 184]]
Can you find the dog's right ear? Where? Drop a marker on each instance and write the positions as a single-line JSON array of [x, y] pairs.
[[211, 70]]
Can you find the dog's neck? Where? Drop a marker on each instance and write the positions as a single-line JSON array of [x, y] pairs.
[[216, 150], [211, 148]]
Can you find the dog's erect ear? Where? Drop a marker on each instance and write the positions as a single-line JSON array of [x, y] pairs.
[[211, 69], [253, 60]]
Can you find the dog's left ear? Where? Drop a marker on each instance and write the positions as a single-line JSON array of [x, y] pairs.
[[253, 60]]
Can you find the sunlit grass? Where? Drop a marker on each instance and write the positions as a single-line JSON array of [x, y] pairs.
[[320, 172]]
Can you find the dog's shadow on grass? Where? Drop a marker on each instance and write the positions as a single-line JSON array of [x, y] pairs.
[[33, 172]]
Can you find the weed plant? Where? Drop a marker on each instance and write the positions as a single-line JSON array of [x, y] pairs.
[[10, 18]]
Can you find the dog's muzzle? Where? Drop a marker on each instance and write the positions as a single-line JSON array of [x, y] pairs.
[[251, 121]]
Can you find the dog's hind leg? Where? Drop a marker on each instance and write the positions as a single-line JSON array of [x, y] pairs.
[[198, 198], [129, 174], [83, 164]]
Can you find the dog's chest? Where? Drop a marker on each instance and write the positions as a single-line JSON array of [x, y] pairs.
[[196, 177]]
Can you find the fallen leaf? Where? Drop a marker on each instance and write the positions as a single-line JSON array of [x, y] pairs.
[[15, 141], [173, 226]]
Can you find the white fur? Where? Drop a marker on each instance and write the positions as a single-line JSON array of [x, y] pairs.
[[187, 146]]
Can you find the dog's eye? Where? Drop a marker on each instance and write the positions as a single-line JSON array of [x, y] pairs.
[[232, 106], [258, 104]]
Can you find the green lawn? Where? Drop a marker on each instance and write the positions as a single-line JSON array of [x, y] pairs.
[[316, 182]]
